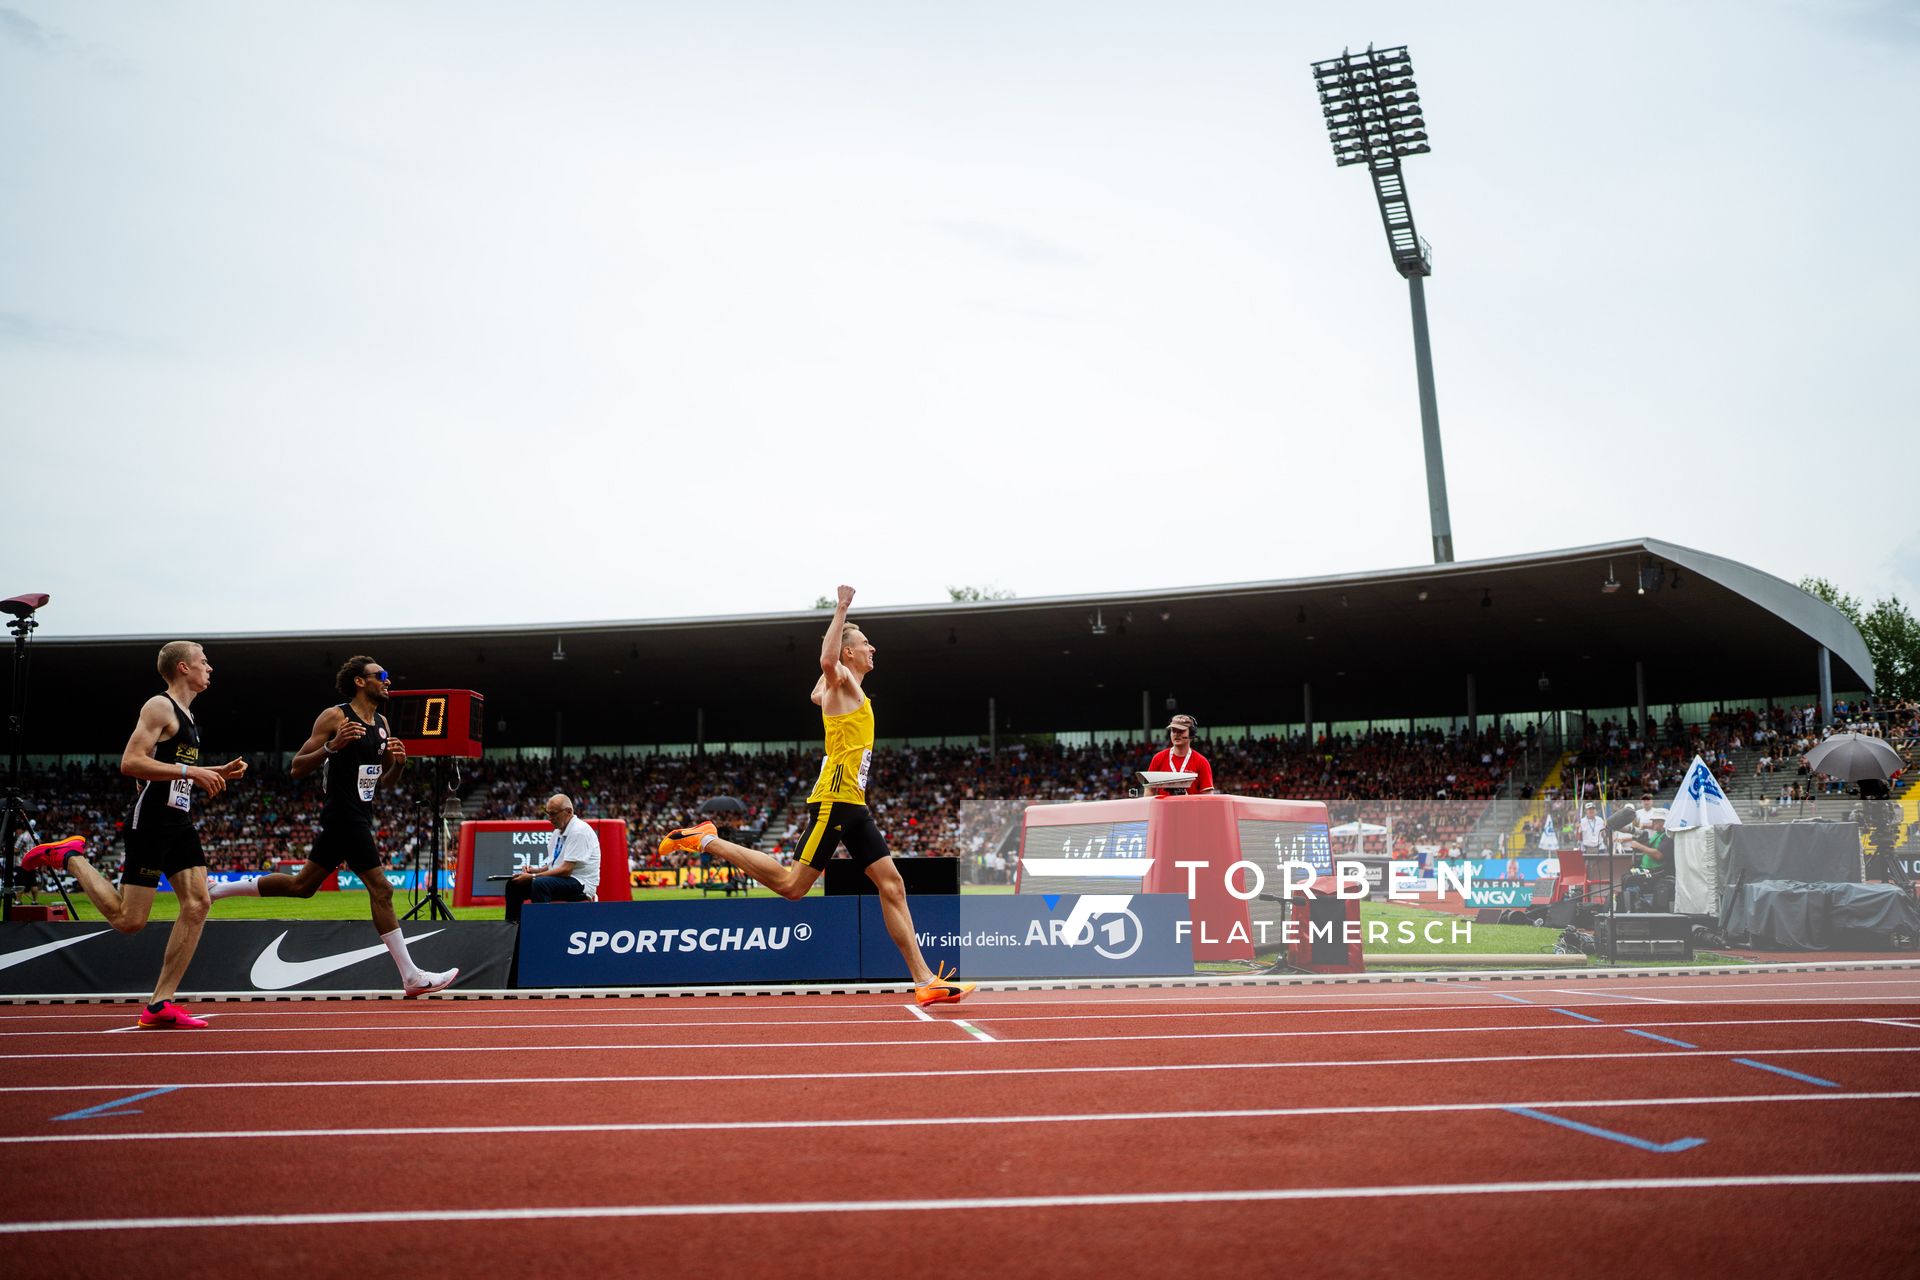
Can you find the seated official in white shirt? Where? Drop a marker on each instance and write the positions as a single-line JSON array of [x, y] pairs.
[[572, 870]]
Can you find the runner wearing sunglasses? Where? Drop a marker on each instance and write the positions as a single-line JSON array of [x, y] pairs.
[[351, 743]]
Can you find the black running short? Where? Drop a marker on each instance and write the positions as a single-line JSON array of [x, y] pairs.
[[832, 823], [347, 842], [154, 851]]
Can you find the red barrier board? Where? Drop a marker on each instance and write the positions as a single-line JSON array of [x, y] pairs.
[[502, 847]]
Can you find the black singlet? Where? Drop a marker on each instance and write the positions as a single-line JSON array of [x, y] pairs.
[[353, 773]]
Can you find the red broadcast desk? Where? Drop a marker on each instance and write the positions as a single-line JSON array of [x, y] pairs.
[[1132, 846]]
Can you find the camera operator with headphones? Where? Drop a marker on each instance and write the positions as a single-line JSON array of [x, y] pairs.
[[1180, 757], [1650, 885]]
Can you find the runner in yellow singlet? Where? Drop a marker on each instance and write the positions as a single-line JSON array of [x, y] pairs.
[[837, 806]]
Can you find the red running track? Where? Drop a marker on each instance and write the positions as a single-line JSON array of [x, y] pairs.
[[1669, 1126]]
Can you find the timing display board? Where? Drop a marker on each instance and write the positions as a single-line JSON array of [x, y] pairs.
[[1086, 857], [438, 722], [1272, 843], [1187, 845]]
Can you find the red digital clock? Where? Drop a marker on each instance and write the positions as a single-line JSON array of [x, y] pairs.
[[438, 722]]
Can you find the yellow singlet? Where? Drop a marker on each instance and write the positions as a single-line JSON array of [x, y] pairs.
[[843, 771]]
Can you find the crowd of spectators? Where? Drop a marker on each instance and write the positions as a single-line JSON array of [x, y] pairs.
[[1758, 755], [1430, 786], [930, 801]]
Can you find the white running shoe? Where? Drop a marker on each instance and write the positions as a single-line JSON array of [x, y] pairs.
[[428, 983]]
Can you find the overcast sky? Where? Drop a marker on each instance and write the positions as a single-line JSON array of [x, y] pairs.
[[338, 316]]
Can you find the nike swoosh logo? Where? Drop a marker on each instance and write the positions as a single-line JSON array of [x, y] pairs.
[[13, 958], [272, 973]]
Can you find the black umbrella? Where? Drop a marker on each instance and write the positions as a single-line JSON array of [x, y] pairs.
[[722, 807], [1854, 756]]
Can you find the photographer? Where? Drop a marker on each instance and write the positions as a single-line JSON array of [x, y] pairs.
[[1651, 886]]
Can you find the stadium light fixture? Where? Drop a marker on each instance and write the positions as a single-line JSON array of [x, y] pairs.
[[1372, 109]]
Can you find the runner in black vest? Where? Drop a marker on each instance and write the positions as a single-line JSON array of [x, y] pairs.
[[351, 742], [164, 755]]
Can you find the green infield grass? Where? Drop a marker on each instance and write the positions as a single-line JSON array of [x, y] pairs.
[[351, 904]]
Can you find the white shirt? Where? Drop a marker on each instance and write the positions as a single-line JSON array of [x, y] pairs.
[[579, 845], [1591, 830]]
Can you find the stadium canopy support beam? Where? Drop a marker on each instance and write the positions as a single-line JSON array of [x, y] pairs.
[[1640, 695], [1825, 659], [1306, 707], [1473, 707]]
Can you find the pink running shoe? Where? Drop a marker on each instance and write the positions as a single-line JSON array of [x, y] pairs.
[[52, 857], [168, 1016]]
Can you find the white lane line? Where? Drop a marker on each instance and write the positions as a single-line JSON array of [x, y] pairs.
[[909, 1122], [747, 1077], [1113, 1200], [922, 1043], [918, 1012], [974, 1031], [1892, 1022], [701, 1005], [1617, 995], [517, 1024]]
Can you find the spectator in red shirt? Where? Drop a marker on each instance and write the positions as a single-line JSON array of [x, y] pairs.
[[1180, 757]]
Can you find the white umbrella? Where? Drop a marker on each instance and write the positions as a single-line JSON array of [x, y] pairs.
[[1357, 829], [1853, 756]]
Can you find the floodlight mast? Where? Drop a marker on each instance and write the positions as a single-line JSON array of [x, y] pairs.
[[1372, 108]]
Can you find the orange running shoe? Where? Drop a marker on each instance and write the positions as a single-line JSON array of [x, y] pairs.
[[687, 838], [941, 989]]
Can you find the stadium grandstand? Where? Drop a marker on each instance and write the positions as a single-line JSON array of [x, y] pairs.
[[1465, 707]]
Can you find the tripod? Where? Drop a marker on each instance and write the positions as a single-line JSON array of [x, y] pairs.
[[428, 904], [13, 811]]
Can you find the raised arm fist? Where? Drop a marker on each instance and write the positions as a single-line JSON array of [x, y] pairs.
[[844, 594]]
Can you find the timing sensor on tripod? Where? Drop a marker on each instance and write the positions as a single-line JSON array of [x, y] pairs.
[[23, 605]]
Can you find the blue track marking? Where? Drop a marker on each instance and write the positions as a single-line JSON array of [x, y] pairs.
[[1658, 1148], [1500, 996], [1582, 1016], [1662, 1039], [1782, 1071], [107, 1108]]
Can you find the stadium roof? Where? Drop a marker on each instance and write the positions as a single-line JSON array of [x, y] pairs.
[[1389, 643]]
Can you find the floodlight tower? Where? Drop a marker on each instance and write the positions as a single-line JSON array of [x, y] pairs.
[[1372, 108]]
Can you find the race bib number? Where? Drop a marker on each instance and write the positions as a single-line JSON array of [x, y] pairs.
[[369, 778], [866, 763], [180, 795]]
